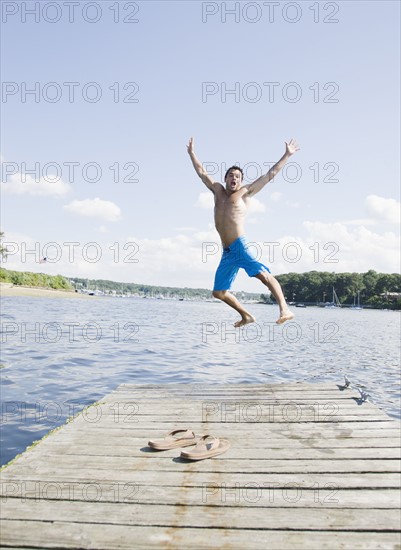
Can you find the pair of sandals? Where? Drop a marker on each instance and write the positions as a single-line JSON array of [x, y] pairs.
[[206, 446]]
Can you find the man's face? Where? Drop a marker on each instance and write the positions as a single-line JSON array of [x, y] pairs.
[[233, 180]]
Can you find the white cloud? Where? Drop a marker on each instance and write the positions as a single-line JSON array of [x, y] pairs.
[[95, 208], [358, 248], [24, 184], [320, 246], [255, 205], [207, 236], [205, 200], [386, 210], [183, 239], [276, 196], [191, 259], [173, 261], [361, 221]]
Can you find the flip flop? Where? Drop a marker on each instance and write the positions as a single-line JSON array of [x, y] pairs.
[[175, 438], [207, 447]]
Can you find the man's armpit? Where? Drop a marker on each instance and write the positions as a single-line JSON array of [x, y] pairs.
[[248, 191]]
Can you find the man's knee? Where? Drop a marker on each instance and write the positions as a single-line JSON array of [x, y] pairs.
[[219, 294], [264, 276]]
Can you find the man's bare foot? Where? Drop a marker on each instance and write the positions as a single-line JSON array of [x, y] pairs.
[[246, 319], [285, 315]]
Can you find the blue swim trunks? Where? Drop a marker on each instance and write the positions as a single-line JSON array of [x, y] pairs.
[[234, 257]]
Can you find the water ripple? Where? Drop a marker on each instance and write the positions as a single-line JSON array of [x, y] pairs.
[[69, 353]]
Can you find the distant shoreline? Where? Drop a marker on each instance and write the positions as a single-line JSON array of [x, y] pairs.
[[7, 289]]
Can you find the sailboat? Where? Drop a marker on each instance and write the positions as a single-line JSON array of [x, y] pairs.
[[335, 302], [358, 305]]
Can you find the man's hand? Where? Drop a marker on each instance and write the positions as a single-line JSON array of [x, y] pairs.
[[190, 146], [291, 147]]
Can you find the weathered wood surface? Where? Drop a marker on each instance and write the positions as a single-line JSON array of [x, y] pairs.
[[310, 466]]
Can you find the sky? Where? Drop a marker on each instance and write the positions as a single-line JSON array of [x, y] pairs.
[[99, 101]]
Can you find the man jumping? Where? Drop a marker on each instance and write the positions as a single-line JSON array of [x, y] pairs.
[[231, 205]]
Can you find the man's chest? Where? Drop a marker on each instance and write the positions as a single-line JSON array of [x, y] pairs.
[[233, 203]]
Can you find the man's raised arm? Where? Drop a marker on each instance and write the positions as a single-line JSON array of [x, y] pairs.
[[257, 185], [204, 176]]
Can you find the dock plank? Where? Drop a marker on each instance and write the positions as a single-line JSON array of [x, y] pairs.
[[239, 517], [247, 494], [310, 466], [43, 462], [125, 537], [268, 450]]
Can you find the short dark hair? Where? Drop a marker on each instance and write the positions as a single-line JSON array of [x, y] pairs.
[[234, 168]]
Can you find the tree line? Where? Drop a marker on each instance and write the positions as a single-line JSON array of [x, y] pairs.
[[316, 287], [25, 278]]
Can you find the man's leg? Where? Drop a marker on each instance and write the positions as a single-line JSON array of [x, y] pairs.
[[274, 286], [232, 301]]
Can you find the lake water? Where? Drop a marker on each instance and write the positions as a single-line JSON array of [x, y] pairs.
[[59, 355]]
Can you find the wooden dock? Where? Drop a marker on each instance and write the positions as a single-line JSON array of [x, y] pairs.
[[310, 467]]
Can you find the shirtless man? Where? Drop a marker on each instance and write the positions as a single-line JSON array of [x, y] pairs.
[[231, 205]]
